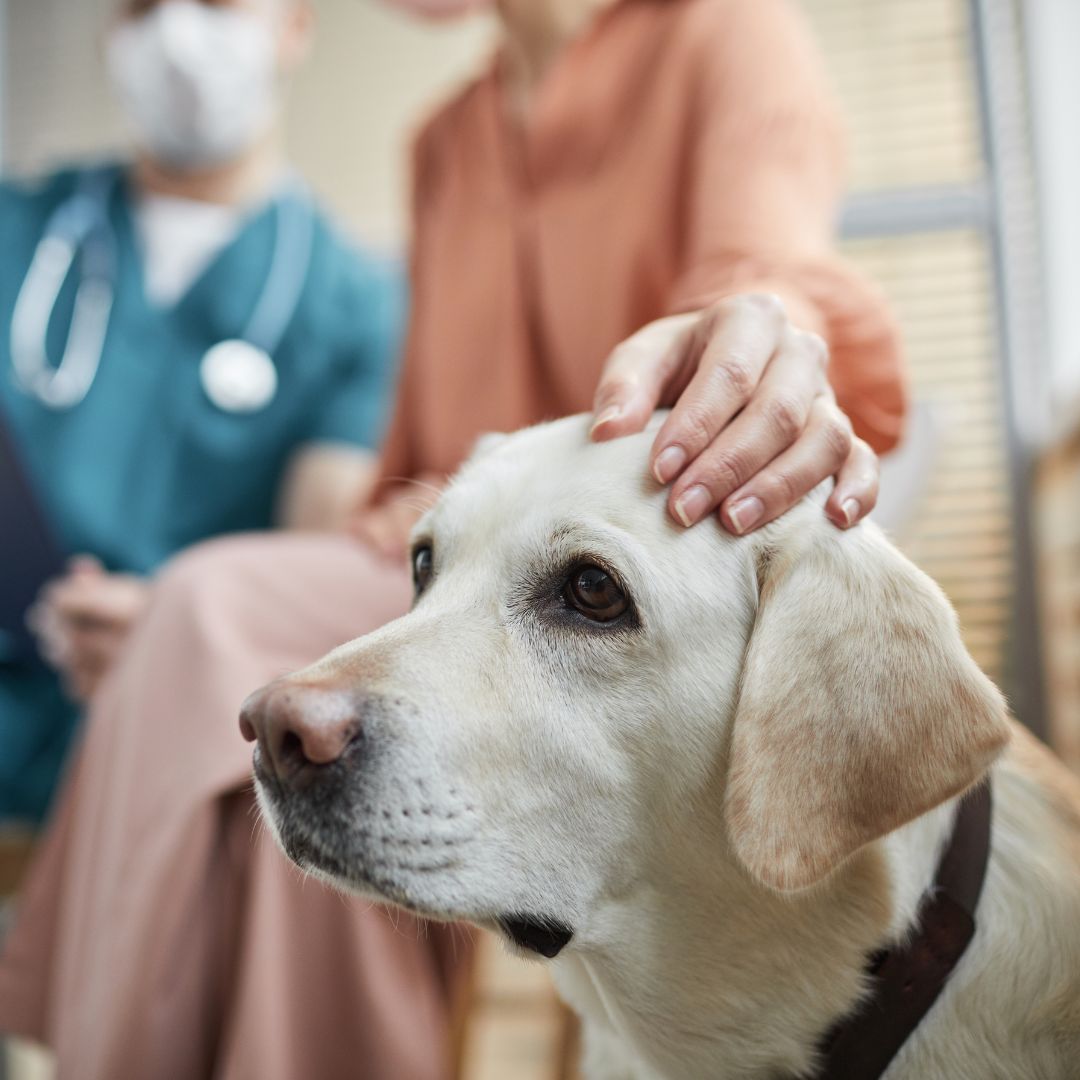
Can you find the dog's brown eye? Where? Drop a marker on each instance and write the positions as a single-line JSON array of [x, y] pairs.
[[595, 593], [423, 562]]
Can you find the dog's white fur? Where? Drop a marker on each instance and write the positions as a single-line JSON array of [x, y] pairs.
[[733, 803]]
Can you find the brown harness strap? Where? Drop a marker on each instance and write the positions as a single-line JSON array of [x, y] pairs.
[[907, 980]]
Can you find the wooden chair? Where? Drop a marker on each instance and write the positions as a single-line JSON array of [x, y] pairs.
[[512, 1025]]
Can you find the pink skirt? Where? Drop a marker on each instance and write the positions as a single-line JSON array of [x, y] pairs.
[[160, 933]]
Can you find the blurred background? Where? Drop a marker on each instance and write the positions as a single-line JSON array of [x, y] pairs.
[[964, 120]]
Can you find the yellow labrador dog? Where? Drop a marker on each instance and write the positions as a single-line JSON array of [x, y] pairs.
[[714, 779]]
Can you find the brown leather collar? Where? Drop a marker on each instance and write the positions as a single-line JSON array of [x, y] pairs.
[[906, 981]]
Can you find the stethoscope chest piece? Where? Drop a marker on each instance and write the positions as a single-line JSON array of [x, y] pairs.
[[238, 377]]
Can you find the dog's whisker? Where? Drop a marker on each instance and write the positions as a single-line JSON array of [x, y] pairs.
[[437, 492], [411, 481]]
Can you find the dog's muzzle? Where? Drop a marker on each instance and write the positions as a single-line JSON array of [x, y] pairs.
[[315, 744]]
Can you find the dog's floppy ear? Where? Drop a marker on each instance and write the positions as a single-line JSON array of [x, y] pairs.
[[860, 708]]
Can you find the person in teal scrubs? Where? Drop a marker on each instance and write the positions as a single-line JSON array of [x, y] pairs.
[[163, 436]]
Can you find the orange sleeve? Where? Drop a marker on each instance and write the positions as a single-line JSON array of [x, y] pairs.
[[398, 456], [763, 185]]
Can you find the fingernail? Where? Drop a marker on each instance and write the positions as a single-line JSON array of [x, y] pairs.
[[669, 463], [851, 509], [746, 513], [692, 504], [612, 412]]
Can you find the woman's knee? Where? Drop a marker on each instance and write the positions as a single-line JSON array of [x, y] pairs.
[[322, 585], [229, 615], [207, 583]]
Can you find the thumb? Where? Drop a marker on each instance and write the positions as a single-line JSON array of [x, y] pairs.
[[85, 564], [636, 375]]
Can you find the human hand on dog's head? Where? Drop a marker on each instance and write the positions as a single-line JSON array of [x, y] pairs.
[[754, 425]]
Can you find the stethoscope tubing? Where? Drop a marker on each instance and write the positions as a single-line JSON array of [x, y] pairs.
[[82, 225], [294, 245]]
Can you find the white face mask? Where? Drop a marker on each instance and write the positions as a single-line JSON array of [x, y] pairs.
[[198, 83]]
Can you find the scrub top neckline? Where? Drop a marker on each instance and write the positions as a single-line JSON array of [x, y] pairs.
[[178, 239], [252, 216]]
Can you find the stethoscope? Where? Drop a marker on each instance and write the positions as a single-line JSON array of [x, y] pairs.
[[238, 375]]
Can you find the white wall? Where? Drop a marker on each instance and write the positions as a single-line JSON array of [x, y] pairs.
[[373, 73], [1053, 43]]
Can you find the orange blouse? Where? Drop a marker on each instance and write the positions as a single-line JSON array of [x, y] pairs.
[[678, 151]]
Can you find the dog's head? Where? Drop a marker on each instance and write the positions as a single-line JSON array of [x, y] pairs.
[[581, 683]]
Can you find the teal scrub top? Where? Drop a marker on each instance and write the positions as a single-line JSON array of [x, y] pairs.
[[146, 464]]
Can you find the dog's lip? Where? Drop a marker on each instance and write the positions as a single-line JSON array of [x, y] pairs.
[[302, 845], [304, 850], [542, 935], [545, 936], [263, 777], [538, 934]]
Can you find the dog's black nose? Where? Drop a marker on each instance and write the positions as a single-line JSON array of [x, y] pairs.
[[300, 728]]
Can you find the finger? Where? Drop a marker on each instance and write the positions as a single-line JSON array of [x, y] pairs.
[[39, 618], [856, 490], [367, 530], [77, 607], [821, 451], [387, 541], [50, 632], [95, 647], [76, 689], [773, 421], [47, 593], [118, 599], [82, 680], [637, 373], [381, 530], [742, 339], [110, 599], [405, 518], [69, 593], [54, 654], [90, 661], [85, 564]]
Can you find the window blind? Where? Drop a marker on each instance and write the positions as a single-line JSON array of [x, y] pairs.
[[905, 76], [1059, 557], [940, 290], [903, 73]]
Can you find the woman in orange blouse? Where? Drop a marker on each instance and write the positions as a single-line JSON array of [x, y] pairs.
[[677, 156], [655, 173]]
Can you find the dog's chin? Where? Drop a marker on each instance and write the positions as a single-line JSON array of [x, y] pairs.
[[349, 875], [306, 844]]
